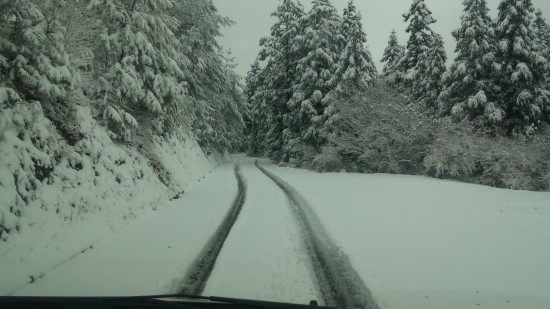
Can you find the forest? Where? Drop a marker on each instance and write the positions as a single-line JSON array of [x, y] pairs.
[[317, 100]]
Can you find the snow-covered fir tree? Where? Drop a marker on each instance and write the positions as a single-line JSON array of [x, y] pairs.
[[33, 61], [543, 37], [355, 65], [320, 43], [430, 68], [469, 84], [208, 76], [355, 68], [253, 82], [392, 54], [524, 99], [281, 53], [420, 39], [252, 79], [141, 74]]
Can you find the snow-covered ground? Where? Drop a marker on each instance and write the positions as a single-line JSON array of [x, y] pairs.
[[416, 242], [419, 242], [152, 254]]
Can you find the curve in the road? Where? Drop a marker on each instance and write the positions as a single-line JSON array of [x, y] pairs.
[[340, 283], [200, 270]]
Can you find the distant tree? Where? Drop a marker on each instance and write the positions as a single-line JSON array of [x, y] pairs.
[[525, 101], [426, 85], [253, 82], [208, 76], [355, 65], [355, 68], [315, 71], [420, 39], [282, 54], [469, 89], [392, 54]]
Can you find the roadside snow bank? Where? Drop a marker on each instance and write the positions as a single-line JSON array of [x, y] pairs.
[[57, 200], [419, 242]]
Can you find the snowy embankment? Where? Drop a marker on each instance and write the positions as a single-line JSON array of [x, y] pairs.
[[58, 201], [152, 255], [419, 242]]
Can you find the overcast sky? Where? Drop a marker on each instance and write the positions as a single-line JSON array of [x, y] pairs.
[[253, 21]]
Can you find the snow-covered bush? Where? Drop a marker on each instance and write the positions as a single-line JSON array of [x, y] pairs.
[[29, 152], [453, 152], [378, 130], [460, 153], [328, 160]]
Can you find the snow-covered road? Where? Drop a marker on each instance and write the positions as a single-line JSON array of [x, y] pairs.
[[264, 256]]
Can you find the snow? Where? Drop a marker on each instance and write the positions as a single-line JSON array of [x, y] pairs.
[[263, 257], [416, 242], [426, 243], [149, 256]]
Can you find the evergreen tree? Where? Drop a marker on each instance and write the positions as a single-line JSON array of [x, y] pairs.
[[524, 100], [355, 65], [315, 71], [393, 52], [141, 76], [282, 54], [543, 37], [207, 75], [355, 68], [469, 86], [33, 61], [254, 81], [420, 39], [431, 67]]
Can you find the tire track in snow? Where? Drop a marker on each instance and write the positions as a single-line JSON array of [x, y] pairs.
[[339, 282], [200, 270]]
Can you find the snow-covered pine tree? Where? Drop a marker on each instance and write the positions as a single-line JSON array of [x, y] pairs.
[[233, 108], [33, 61], [82, 32], [469, 84], [355, 68], [420, 39], [543, 37], [253, 83], [320, 43], [281, 53], [431, 67], [525, 101], [252, 79], [206, 72], [392, 53], [141, 75], [355, 65]]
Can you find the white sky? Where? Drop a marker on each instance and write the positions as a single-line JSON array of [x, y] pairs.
[[253, 21]]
